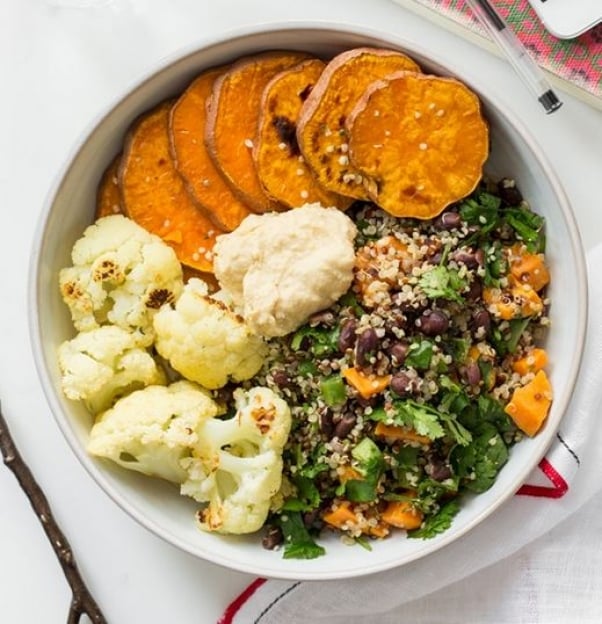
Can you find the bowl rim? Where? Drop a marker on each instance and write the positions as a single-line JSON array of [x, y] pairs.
[[163, 64]]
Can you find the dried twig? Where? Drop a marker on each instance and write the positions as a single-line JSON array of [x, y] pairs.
[[82, 601]]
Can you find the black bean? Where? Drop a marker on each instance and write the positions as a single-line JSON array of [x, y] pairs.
[[475, 290], [481, 318], [509, 192], [325, 422], [272, 538], [471, 373], [369, 402], [438, 469], [345, 425], [467, 257], [281, 378], [366, 346], [398, 352], [447, 221], [479, 254], [435, 258], [402, 384], [347, 336], [433, 322]]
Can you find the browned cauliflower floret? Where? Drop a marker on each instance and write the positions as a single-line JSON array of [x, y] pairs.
[[121, 275], [205, 341]]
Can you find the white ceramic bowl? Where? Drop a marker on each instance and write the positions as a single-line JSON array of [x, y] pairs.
[[157, 505]]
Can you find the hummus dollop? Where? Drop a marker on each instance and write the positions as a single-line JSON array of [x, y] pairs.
[[280, 268]]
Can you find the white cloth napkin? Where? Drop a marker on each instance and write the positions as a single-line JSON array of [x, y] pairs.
[[565, 480]]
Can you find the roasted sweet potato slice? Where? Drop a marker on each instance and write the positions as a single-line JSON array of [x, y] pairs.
[[108, 198], [282, 171], [420, 140], [192, 160], [154, 194], [321, 131], [234, 109]]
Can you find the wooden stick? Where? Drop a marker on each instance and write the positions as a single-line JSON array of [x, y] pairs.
[[82, 601]]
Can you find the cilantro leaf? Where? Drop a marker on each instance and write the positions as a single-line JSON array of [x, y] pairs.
[[370, 464], [308, 496], [320, 341], [495, 264], [442, 283], [437, 523], [298, 543], [482, 210], [527, 226], [420, 354], [424, 419], [430, 492], [456, 430], [478, 463]]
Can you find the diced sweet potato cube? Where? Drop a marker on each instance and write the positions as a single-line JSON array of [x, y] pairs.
[[366, 384], [530, 404], [530, 269], [403, 515], [534, 360], [403, 434]]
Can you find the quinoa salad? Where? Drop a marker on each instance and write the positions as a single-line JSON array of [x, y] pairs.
[[402, 393]]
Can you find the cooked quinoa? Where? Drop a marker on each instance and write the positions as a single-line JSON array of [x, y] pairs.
[[398, 390]]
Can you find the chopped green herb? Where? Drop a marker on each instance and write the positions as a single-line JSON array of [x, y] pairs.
[[308, 496], [495, 264], [478, 463], [307, 368], [527, 225], [370, 465], [298, 543], [442, 283], [517, 328], [437, 523], [423, 418], [420, 354], [321, 341]]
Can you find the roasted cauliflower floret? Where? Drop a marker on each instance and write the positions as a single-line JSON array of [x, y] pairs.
[[154, 430], [121, 275], [237, 467], [205, 341], [104, 364]]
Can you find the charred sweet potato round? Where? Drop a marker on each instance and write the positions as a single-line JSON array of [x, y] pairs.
[[426, 146], [193, 162], [282, 170], [108, 197], [321, 131], [154, 194], [233, 115]]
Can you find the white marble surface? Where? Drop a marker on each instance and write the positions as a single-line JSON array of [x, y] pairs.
[[63, 62]]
